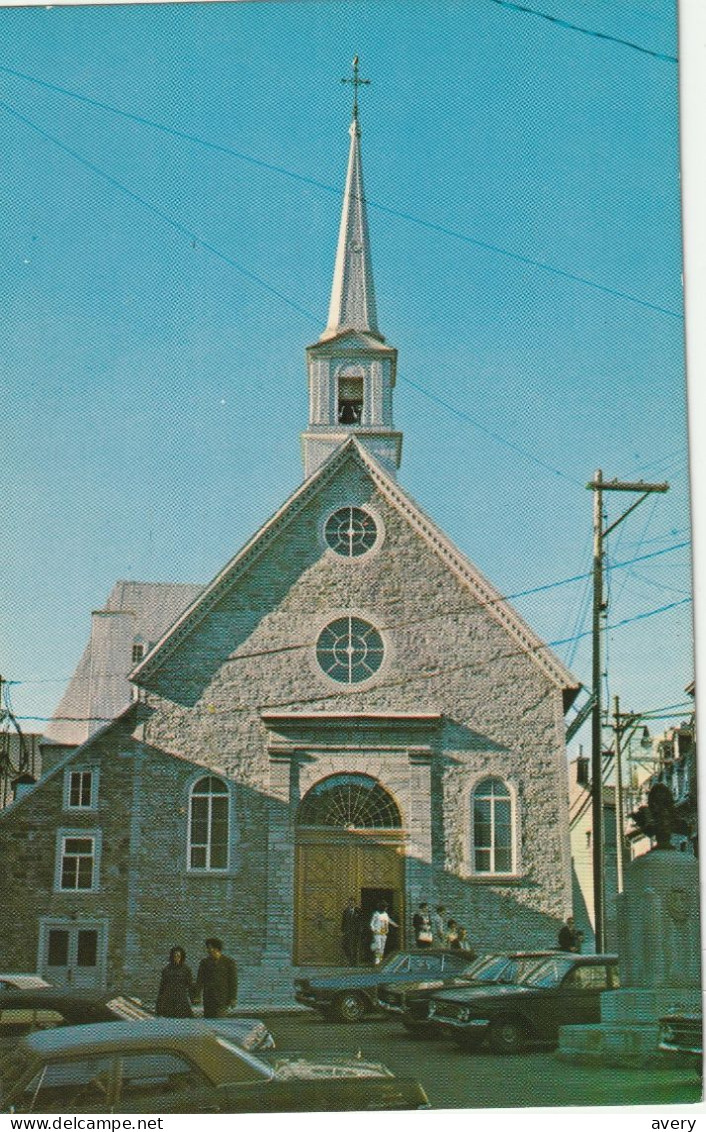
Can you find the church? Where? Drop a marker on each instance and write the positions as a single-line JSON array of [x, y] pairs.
[[348, 709]]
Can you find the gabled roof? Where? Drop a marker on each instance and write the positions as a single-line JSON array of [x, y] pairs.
[[351, 449]]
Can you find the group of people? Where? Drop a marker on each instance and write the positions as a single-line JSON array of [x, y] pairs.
[[437, 929], [216, 982], [431, 929]]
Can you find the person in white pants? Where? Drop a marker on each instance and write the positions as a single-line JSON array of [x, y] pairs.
[[380, 925]]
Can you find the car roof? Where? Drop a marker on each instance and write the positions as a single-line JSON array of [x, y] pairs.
[[23, 982], [109, 1036], [52, 994]]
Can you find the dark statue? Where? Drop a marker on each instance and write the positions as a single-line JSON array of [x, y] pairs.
[[659, 818]]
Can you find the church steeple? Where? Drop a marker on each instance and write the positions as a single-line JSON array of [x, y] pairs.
[[353, 293], [351, 369]]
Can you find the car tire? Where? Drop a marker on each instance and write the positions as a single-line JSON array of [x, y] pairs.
[[350, 1007], [506, 1035]]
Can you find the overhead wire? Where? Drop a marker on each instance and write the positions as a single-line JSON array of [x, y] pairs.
[[569, 26], [501, 598], [185, 230], [438, 672], [400, 214]]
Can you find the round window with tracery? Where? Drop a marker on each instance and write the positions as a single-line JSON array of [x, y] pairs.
[[350, 532], [350, 650]]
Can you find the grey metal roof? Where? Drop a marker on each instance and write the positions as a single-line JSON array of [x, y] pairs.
[[134, 613]]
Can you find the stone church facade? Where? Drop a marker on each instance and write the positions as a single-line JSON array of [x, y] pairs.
[[348, 709]]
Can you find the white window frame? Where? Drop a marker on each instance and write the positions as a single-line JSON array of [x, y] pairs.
[[64, 835], [94, 771], [209, 869], [512, 795]]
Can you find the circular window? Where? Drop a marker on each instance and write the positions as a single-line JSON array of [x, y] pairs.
[[349, 650], [350, 532]]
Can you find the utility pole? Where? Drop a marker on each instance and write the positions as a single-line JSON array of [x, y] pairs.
[[598, 485], [618, 726]]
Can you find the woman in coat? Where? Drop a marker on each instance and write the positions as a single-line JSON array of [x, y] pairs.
[[176, 987]]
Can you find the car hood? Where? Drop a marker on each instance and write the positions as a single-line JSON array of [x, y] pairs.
[[423, 985], [248, 1033], [478, 994]]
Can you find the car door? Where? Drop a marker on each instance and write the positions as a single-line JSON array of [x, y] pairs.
[[578, 999]]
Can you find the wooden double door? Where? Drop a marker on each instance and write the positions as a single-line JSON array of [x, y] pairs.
[[331, 868]]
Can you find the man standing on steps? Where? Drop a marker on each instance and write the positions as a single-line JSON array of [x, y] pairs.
[[218, 980], [351, 924]]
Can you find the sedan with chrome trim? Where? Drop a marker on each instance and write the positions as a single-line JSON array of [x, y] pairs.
[[43, 1008], [410, 1002], [171, 1065], [564, 990], [349, 996]]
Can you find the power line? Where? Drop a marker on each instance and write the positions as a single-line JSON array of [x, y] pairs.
[[416, 621], [389, 210], [253, 277], [606, 36], [489, 432], [437, 673], [175, 224]]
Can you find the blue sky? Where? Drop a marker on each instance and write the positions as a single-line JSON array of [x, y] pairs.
[[167, 265]]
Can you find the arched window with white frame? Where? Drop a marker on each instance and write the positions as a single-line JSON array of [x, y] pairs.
[[493, 827], [209, 824]]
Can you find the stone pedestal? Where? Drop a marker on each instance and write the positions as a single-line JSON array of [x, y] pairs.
[[659, 959]]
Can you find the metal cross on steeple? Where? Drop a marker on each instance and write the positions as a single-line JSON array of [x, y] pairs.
[[355, 82]]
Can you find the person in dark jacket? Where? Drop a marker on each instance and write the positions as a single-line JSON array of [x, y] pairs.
[[569, 937], [351, 925], [176, 987], [217, 980]]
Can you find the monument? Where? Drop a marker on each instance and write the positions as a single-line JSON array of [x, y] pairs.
[[659, 949]]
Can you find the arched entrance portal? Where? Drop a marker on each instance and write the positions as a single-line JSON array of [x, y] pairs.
[[349, 842]]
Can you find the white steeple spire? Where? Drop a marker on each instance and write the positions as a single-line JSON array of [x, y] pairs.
[[352, 304]]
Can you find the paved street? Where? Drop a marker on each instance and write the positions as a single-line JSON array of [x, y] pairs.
[[454, 1078]]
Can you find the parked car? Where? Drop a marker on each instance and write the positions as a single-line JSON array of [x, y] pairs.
[[410, 1001], [682, 1032], [350, 996], [45, 1007], [180, 1065], [564, 990]]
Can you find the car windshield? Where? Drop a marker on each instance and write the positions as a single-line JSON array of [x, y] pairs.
[[395, 964], [244, 1066], [488, 969], [548, 973]]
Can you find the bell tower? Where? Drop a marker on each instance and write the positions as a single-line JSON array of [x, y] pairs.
[[351, 368]]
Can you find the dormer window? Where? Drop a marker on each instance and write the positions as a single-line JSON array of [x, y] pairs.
[[138, 651], [350, 400]]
